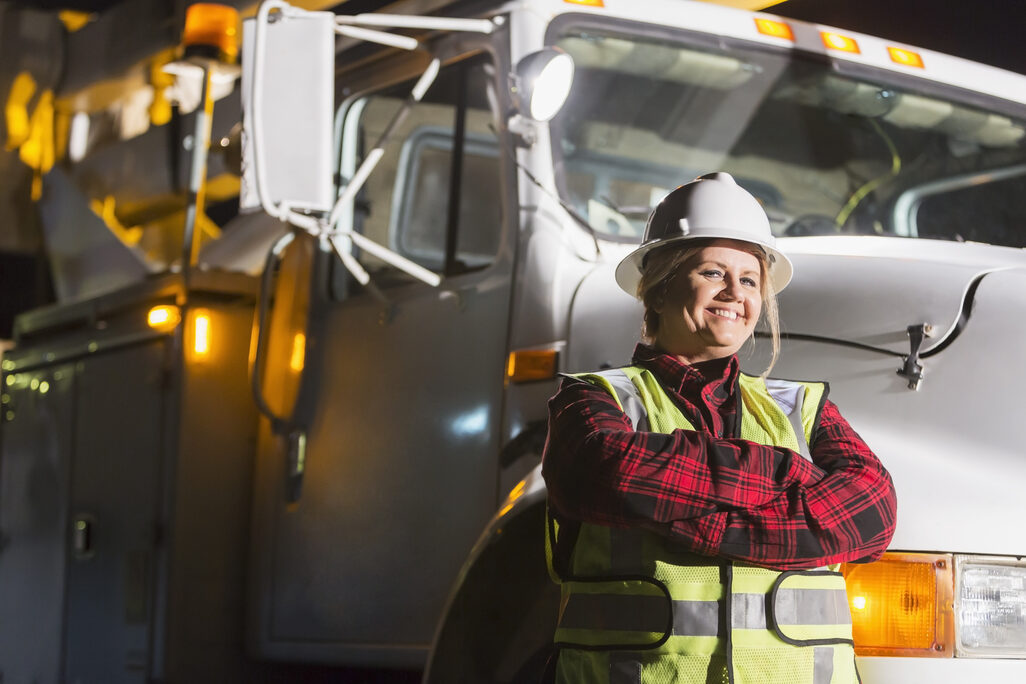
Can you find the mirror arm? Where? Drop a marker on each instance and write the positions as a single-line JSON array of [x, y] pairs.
[[417, 22]]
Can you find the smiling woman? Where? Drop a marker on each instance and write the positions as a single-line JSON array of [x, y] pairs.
[[709, 305], [698, 514]]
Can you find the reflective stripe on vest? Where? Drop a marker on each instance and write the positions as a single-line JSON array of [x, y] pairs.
[[630, 591]]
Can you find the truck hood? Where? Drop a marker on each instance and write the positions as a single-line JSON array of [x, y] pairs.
[[861, 290]]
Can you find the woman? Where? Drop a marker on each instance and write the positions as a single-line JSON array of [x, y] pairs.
[[698, 514]]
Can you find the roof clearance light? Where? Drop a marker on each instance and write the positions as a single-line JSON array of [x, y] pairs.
[[209, 25], [835, 41], [531, 364], [906, 57], [901, 605], [586, 3], [776, 29], [162, 317]]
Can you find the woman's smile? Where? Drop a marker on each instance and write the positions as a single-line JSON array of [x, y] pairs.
[[724, 313]]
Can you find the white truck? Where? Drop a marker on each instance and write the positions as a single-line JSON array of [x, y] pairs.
[[447, 252]]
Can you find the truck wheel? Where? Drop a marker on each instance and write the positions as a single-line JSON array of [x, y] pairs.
[[499, 627]]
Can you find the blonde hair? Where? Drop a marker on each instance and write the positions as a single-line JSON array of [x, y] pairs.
[[661, 266]]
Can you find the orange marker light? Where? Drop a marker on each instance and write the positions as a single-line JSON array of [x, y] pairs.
[[906, 57], [587, 3], [835, 41], [163, 316], [777, 29], [298, 358], [531, 364], [201, 334], [212, 25], [901, 605]]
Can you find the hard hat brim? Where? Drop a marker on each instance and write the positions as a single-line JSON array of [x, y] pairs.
[[628, 271]]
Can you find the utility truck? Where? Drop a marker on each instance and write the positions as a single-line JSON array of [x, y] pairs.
[[442, 236]]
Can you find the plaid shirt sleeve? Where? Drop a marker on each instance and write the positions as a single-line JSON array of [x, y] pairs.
[[718, 496]]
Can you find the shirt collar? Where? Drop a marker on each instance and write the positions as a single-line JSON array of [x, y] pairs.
[[680, 377]]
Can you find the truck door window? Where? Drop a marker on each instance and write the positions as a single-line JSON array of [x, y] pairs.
[[445, 143]]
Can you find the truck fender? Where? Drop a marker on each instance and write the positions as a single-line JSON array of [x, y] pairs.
[[498, 622]]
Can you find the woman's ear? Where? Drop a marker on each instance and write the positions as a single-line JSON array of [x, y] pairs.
[[660, 301]]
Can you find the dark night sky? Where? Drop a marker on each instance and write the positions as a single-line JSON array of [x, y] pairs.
[[988, 31]]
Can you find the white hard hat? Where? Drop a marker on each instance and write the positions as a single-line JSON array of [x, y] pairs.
[[711, 206]]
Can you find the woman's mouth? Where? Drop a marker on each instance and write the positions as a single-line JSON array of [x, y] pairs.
[[725, 313]]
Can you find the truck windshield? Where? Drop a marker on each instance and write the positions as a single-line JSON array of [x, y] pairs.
[[826, 152]]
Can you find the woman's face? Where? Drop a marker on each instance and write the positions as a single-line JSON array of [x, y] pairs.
[[712, 303]]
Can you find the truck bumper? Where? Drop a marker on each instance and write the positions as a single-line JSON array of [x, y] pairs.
[[940, 670]]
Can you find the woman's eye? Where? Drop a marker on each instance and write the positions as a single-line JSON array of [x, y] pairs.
[[712, 273], [749, 282]]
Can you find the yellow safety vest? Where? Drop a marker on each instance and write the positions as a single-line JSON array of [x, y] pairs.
[[636, 610]]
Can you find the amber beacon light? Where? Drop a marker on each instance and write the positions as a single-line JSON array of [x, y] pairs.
[[212, 27]]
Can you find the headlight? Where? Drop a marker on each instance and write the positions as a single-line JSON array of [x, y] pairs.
[[990, 607], [939, 605]]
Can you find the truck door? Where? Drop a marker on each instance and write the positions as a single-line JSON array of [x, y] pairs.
[[401, 461]]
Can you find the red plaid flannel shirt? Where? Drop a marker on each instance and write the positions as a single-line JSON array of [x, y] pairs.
[[709, 491]]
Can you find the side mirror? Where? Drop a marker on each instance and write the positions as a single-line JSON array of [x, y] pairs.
[[288, 100], [541, 83]]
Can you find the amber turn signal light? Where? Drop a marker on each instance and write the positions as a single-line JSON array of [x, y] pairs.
[[901, 605]]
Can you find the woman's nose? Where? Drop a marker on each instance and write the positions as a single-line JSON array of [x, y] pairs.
[[731, 289]]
